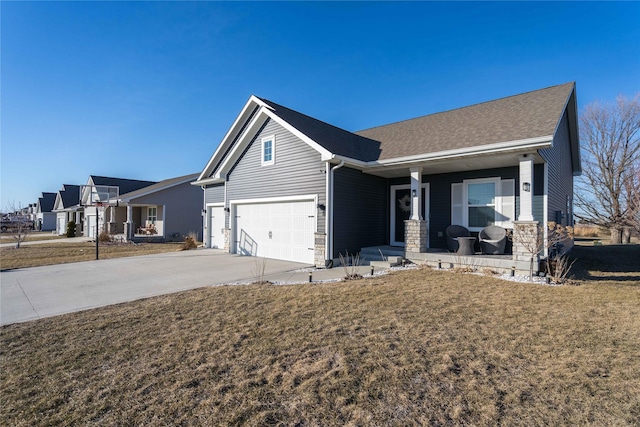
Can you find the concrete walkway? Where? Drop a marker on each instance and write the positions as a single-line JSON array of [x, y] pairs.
[[38, 292]]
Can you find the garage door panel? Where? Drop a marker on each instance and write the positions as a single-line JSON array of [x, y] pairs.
[[282, 230]]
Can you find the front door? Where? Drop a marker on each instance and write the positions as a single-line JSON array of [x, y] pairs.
[[401, 210]]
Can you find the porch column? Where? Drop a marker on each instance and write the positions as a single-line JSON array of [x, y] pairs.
[[416, 194], [128, 225], [526, 188], [112, 220]]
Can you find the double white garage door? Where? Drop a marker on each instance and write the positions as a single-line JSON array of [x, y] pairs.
[[281, 230]]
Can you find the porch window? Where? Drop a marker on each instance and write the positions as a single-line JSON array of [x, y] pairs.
[[478, 203], [152, 215], [268, 150], [481, 204]]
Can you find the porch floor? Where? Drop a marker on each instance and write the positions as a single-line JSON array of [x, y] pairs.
[[441, 257]]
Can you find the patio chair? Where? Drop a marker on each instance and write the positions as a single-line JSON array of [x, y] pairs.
[[493, 240], [453, 232]]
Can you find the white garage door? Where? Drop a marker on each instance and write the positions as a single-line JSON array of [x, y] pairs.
[[91, 219], [62, 227], [282, 230], [216, 227]]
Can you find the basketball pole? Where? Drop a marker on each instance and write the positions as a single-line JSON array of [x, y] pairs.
[[97, 229]]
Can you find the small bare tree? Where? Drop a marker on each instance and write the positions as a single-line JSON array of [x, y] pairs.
[[18, 224], [609, 191], [532, 240]]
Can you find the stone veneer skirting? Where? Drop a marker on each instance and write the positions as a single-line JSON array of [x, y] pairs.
[[415, 235], [227, 240], [527, 241], [319, 258]]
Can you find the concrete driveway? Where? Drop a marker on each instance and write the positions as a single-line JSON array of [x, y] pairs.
[[38, 292]]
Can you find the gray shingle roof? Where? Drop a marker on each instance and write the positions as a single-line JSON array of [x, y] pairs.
[[167, 183], [334, 139], [70, 195], [528, 115], [47, 201], [124, 185]]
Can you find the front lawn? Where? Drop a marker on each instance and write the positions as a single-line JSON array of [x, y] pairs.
[[419, 347]]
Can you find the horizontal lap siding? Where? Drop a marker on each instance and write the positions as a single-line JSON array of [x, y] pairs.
[[298, 170], [360, 212], [560, 172], [183, 204], [214, 194], [440, 202]]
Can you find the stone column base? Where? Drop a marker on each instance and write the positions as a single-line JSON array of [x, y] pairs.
[[319, 258], [227, 240], [415, 235], [128, 230], [527, 242]]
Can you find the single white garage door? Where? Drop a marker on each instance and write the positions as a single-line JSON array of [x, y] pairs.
[[280, 230], [62, 227], [216, 227]]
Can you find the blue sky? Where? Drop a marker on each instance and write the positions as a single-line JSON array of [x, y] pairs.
[[146, 90]]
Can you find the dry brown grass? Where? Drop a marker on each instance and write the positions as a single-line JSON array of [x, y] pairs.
[[582, 230], [420, 347], [33, 236], [60, 253]]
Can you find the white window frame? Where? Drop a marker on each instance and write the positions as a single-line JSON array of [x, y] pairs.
[[504, 202], [149, 216], [271, 138], [465, 198]]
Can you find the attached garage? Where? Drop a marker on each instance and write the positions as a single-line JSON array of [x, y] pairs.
[[282, 229]]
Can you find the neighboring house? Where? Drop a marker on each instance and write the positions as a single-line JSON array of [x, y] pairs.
[[168, 210], [67, 208], [109, 218], [285, 185], [45, 217]]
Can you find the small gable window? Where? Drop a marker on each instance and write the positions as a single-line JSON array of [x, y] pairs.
[[268, 150]]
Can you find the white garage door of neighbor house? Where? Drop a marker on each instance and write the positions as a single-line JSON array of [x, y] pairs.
[[216, 227], [280, 230], [62, 227], [91, 219]]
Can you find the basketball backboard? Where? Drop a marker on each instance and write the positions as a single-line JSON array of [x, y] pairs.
[[99, 195]]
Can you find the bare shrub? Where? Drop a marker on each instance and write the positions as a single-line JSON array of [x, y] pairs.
[[190, 242], [350, 263], [258, 271], [105, 237]]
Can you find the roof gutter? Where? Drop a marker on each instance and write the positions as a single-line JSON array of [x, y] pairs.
[[525, 144], [208, 181]]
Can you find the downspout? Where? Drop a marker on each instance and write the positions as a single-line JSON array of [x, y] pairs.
[[330, 203], [205, 232]]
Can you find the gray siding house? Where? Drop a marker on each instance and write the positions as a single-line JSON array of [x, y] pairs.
[[167, 211], [45, 217], [67, 208], [285, 185]]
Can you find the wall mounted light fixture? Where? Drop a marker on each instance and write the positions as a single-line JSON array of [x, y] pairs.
[[413, 193], [526, 186]]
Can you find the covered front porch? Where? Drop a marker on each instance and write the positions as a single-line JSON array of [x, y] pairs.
[[441, 258], [145, 222], [504, 190]]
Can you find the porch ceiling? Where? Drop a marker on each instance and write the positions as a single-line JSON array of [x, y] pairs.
[[437, 166]]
